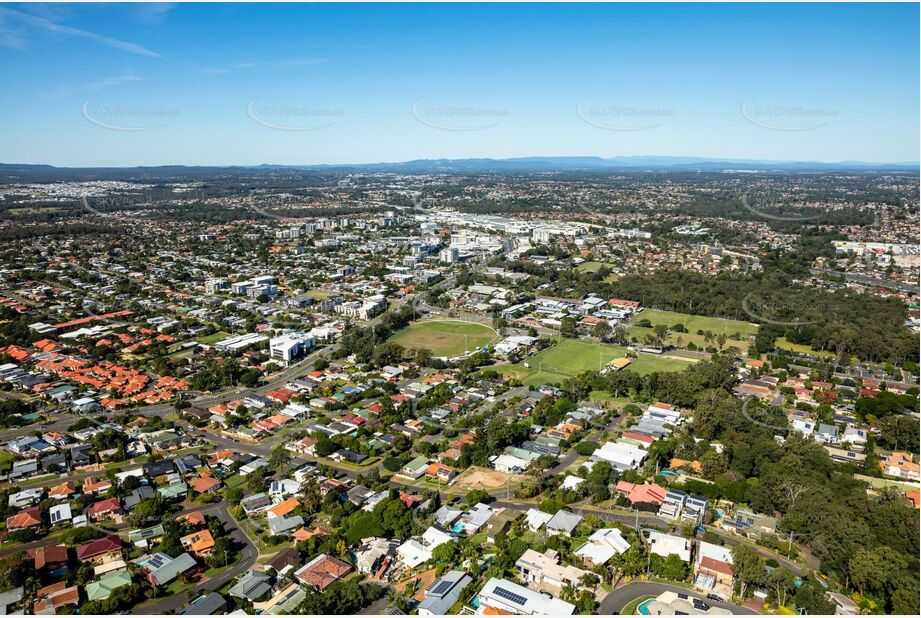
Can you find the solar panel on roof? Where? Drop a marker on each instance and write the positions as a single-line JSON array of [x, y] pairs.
[[517, 599], [442, 587]]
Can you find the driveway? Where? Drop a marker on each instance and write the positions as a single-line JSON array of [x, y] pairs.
[[614, 602]]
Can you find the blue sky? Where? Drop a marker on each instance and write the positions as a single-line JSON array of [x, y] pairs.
[[214, 84]]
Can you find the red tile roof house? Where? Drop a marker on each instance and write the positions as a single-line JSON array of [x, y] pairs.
[[104, 508], [27, 518], [205, 484], [50, 598], [639, 437], [651, 493], [717, 569], [51, 557], [101, 550], [322, 571], [281, 395], [440, 471]]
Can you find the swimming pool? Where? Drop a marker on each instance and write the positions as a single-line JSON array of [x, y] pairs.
[[643, 607], [668, 473]]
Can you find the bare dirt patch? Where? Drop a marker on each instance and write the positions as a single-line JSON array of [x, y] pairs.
[[475, 477]]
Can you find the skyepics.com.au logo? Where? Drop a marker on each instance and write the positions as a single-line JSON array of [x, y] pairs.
[[459, 118], [292, 118], [786, 118], [781, 311], [276, 208], [625, 118], [120, 208], [772, 209], [128, 118]]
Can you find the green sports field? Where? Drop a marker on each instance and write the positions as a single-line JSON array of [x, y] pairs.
[[696, 322], [783, 344], [213, 338], [571, 357], [445, 337]]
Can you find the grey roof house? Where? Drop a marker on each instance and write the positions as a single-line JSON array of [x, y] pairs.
[[443, 593]]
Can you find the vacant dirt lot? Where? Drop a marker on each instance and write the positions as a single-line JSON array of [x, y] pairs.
[[482, 478]]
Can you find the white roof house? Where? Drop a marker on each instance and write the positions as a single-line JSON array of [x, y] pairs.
[[537, 519], [854, 436], [621, 456], [501, 594], [433, 537], [714, 552], [135, 472], [603, 545], [665, 545], [804, 426], [571, 482], [284, 487], [412, 553], [545, 570], [476, 518], [59, 513], [509, 464]]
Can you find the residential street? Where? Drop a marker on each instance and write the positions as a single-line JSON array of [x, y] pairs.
[[615, 601], [248, 556]]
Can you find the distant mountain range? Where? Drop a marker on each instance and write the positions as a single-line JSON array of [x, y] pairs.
[[11, 172]]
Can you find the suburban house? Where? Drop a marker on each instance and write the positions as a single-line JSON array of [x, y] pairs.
[[563, 522], [104, 509], [443, 593], [322, 571], [27, 518], [372, 553], [101, 551], [544, 571], [900, 465], [602, 545], [51, 598], [163, 569], [713, 568], [747, 522], [200, 543], [665, 545], [622, 456], [648, 493], [440, 472], [49, 558], [537, 519], [251, 586], [500, 596]]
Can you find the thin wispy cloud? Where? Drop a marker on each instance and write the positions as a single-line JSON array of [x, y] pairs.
[[96, 86], [153, 12], [283, 64], [46, 25], [300, 62], [12, 38], [112, 81]]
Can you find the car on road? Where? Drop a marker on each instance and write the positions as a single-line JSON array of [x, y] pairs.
[[715, 597]]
